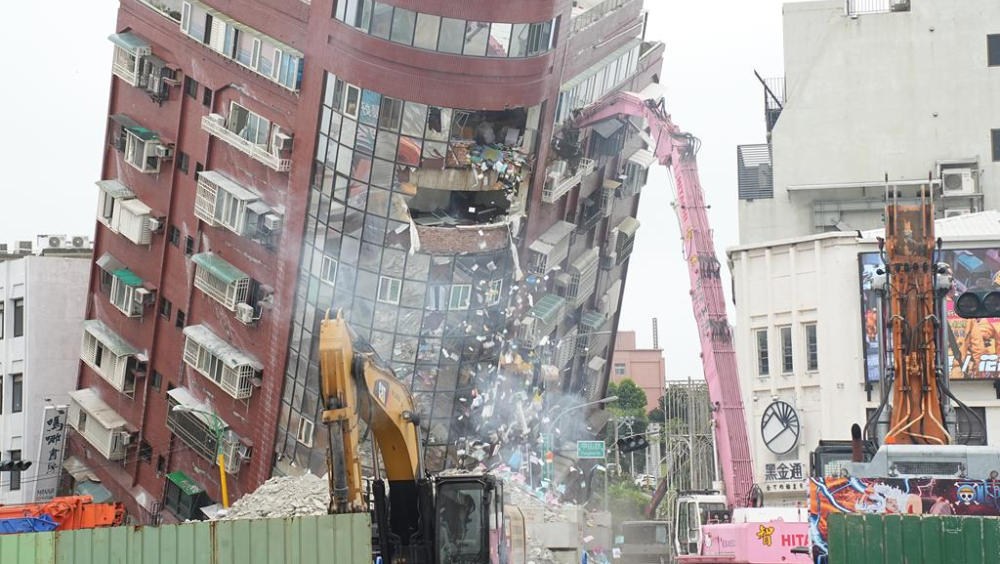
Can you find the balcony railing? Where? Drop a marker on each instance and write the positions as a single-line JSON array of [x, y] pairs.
[[593, 15], [215, 125], [858, 7], [774, 99], [556, 189]]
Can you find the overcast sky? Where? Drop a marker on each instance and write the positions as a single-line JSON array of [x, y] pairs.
[[57, 100]]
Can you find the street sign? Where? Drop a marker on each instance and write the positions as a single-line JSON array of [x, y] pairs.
[[590, 449]]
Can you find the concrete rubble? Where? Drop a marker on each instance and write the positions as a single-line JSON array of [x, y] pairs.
[[283, 496]]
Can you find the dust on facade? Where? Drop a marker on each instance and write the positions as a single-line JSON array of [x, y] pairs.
[[257, 175]]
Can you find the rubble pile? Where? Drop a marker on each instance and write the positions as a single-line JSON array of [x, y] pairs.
[[283, 496]]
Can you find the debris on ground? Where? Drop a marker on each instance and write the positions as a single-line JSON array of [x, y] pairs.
[[283, 496]]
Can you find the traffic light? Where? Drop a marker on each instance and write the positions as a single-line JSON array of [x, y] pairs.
[[978, 304], [14, 465], [632, 444]]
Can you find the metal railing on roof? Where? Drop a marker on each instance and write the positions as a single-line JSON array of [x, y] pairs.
[[858, 7], [593, 15], [756, 179]]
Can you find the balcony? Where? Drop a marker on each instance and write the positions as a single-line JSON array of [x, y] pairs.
[[558, 184], [550, 249], [129, 52], [215, 124], [197, 429], [99, 424], [594, 13], [541, 320], [106, 352]]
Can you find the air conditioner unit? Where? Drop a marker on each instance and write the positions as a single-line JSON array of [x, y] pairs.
[[25, 246], [272, 222], [900, 5], [144, 296], [126, 438], [80, 242], [51, 241], [164, 151], [957, 212], [282, 142], [155, 225], [217, 119], [3, 247], [244, 314], [958, 181]]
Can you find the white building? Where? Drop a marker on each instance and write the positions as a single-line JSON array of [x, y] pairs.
[[801, 339], [42, 301], [903, 88]]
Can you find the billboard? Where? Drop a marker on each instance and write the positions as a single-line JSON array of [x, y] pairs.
[[895, 496], [971, 345]]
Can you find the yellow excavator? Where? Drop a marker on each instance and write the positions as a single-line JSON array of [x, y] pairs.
[[452, 518]]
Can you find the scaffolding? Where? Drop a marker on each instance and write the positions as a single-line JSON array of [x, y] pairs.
[[689, 461]]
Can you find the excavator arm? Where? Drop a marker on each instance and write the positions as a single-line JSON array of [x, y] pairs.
[[357, 388], [678, 150]]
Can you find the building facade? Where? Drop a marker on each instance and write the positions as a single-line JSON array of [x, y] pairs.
[[270, 161], [646, 367], [806, 336], [863, 99], [43, 298]]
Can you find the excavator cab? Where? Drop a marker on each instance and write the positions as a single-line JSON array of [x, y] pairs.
[[469, 520], [692, 512]]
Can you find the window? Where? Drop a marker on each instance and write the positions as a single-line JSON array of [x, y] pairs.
[[190, 87], [182, 161], [212, 357], [81, 422], [388, 289], [248, 125], [166, 308], [15, 475], [1, 394], [328, 271], [161, 464], [970, 432], [19, 317], [452, 36], [495, 294], [763, 368], [619, 369], [180, 319], [786, 350], [174, 235], [206, 97], [305, 432], [995, 135], [391, 115], [427, 31], [460, 294], [403, 22], [189, 245], [127, 297], [812, 348], [156, 380], [221, 281], [220, 201], [16, 393], [1, 320], [993, 50], [145, 451], [352, 102]]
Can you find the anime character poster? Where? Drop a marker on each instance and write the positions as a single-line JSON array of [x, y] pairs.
[[895, 496], [971, 344]]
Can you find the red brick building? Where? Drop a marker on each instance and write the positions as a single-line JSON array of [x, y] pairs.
[[270, 159]]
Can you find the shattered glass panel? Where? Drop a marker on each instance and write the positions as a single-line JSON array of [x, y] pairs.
[[408, 322], [382, 343], [438, 123], [429, 350], [417, 267], [405, 349], [413, 294], [393, 262]]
